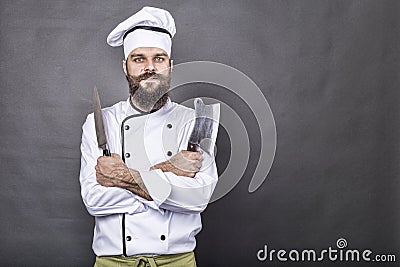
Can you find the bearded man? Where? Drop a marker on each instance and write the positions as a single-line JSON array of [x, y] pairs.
[[147, 197]]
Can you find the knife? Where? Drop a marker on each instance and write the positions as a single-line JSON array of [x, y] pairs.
[[99, 125], [205, 118]]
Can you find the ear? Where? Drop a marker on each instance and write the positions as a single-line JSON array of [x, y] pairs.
[[171, 63], [124, 66]]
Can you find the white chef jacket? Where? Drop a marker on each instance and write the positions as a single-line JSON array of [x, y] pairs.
[[126, 224]]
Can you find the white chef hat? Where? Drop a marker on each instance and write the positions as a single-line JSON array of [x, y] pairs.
[[149, 27]]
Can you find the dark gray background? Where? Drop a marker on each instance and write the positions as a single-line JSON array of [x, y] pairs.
[[329, 70]]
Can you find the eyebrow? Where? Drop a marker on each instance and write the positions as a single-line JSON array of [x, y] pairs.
[[161, 54], [137, 55], [156, 55]]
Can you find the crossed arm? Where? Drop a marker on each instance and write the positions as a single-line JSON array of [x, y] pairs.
[[108, 186], [112, 171]]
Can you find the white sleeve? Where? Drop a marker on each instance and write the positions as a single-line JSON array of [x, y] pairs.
[[100, 200], [179, 193]]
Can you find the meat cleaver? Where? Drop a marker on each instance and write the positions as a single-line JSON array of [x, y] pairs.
[[206, 117]]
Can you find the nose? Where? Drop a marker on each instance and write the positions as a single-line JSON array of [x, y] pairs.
[[149, 67]]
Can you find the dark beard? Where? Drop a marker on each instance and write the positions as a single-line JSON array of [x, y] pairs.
[[149, 99]]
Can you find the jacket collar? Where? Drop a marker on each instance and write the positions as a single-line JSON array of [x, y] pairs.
[[129, 110]]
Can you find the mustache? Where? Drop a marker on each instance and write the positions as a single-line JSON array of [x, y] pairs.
[[147, 75]]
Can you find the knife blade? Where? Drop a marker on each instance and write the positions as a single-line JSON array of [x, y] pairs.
[[205, 118], [99, 124]]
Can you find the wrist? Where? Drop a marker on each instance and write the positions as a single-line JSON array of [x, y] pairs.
[[163, 166]]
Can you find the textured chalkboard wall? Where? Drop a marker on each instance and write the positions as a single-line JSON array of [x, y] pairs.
[[330, 73]]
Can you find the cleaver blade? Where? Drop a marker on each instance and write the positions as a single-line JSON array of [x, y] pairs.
[[206, 117]]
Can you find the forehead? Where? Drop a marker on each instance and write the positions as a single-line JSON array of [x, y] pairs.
[[148, 51]]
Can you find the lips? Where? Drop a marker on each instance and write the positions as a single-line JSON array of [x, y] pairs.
[[150, 78], [146, 75]]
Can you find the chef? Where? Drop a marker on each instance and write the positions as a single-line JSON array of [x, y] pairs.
[[147, 197]]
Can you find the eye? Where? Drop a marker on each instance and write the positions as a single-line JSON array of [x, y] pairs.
[[138, 59], [159, 59]]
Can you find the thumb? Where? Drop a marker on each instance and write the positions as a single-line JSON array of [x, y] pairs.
[[116, 156]]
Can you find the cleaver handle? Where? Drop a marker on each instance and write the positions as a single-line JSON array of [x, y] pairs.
[[192, 147]]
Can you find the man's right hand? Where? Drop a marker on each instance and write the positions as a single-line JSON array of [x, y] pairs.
[[185, 163]]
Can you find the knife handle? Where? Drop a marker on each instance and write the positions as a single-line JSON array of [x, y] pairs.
[[106, 152], [192, 147]]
